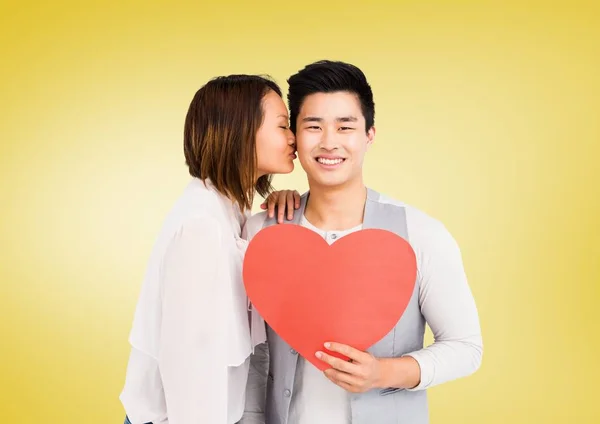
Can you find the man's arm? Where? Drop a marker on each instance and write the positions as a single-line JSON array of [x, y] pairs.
[[449, 308], [450, 311]]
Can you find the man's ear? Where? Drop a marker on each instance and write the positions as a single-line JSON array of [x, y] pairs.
[[370, 137]]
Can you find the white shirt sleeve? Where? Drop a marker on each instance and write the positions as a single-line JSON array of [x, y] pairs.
[[256, 388], [448, 307], [191, 360]]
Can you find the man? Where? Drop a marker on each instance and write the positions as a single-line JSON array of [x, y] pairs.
[[332, 114]]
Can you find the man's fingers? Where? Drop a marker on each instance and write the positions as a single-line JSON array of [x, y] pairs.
[[346, 386], [342, 377], [348, 351], [337, 363]]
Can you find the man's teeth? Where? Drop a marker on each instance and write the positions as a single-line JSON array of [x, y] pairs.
[[329, 161]]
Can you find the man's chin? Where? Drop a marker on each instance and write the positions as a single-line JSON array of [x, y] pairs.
[[330, 182]]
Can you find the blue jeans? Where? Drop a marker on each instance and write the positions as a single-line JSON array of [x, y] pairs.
[[129, 422]]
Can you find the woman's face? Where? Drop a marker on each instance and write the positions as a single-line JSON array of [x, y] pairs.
[[275, 142]]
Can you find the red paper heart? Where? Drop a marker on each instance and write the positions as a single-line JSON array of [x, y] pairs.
[[352, 292]]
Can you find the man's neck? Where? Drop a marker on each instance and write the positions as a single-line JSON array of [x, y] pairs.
[[336, 208]]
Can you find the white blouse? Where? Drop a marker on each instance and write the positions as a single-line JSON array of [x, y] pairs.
[[191, 337]]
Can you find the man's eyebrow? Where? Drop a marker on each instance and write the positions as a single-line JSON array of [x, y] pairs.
[[347, 119], [339, 119]]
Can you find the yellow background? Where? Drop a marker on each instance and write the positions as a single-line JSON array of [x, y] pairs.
[[487, 118]]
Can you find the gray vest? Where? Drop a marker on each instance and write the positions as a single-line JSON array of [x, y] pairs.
[[385, 406]]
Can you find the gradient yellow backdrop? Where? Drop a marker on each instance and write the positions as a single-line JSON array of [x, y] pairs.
[[487, 118]]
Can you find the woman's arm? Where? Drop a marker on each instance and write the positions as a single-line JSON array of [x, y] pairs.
[[192, 357]]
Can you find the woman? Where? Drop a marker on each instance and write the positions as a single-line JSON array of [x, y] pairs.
[[192, 338]]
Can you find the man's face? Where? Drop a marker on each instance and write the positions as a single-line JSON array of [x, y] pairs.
[[331, 139]]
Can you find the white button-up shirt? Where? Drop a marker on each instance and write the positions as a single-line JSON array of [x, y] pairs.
[[191, 337]]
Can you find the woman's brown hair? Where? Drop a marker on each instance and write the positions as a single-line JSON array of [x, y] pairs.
[[220, 135]]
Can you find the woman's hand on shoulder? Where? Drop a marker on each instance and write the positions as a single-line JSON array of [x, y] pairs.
[[286, 202]]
